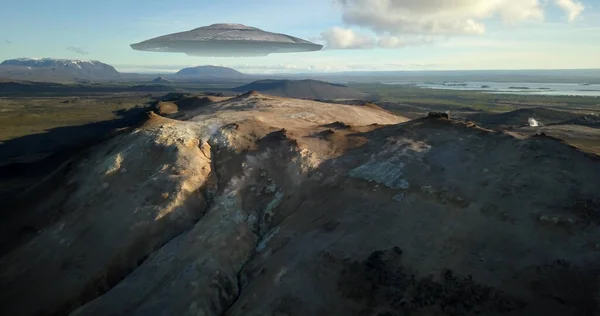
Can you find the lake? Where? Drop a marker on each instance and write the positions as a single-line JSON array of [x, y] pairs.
[[570, 89]]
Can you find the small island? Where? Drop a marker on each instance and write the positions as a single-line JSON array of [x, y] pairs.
[[455, 84]]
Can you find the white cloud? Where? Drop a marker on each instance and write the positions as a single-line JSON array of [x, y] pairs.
[[435, 17], [340, 38], [573, 8], [400, 23], [77, 50], [346, 39], [390, 41]]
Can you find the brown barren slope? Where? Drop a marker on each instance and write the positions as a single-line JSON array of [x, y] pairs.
[[261, 205]]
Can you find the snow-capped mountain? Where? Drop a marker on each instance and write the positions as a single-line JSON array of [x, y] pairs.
[[60, 69]]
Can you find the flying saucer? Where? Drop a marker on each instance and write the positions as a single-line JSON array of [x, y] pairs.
[[227, 40]]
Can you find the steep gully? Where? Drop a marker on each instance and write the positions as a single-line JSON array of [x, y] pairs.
[[228, 182]]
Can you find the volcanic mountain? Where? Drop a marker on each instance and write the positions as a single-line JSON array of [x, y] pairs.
[[302, 89], [264, 205], [208, 72], [56, 70], [161, 80]]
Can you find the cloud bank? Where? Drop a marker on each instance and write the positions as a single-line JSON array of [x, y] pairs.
[[346, 39], [399, 23], [573, 8]]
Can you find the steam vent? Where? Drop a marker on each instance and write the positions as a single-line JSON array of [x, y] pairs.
[[227, 40]]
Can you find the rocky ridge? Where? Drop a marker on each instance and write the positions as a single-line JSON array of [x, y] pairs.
[[260, 205]]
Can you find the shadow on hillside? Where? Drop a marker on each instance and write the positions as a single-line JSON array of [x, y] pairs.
[[25, 89], [27, 159]]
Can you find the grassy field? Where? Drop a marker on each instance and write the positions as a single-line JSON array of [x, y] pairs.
[[26, 116], [471, 99]]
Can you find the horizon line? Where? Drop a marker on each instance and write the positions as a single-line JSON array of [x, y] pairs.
[[358, 71]]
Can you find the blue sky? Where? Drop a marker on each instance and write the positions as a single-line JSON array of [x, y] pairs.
[[358, 34]]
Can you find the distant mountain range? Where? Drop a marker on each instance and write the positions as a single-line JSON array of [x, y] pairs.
[[56, 70], [70, 70], [302, 89], [81, 71]]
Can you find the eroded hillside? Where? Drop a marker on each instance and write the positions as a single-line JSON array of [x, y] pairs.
[[260, 205]]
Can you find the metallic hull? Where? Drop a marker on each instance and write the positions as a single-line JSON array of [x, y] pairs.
[[226, 40]]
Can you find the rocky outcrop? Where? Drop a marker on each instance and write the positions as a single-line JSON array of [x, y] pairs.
[[120, 208], [165, 108], [438, 115], [193, 274]]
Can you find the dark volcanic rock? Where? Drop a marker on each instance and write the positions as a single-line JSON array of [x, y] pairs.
[[382, 283], [438, 115], [337, 125], [520, 117]]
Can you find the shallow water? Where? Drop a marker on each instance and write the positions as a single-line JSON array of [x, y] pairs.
[[572, 89]]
